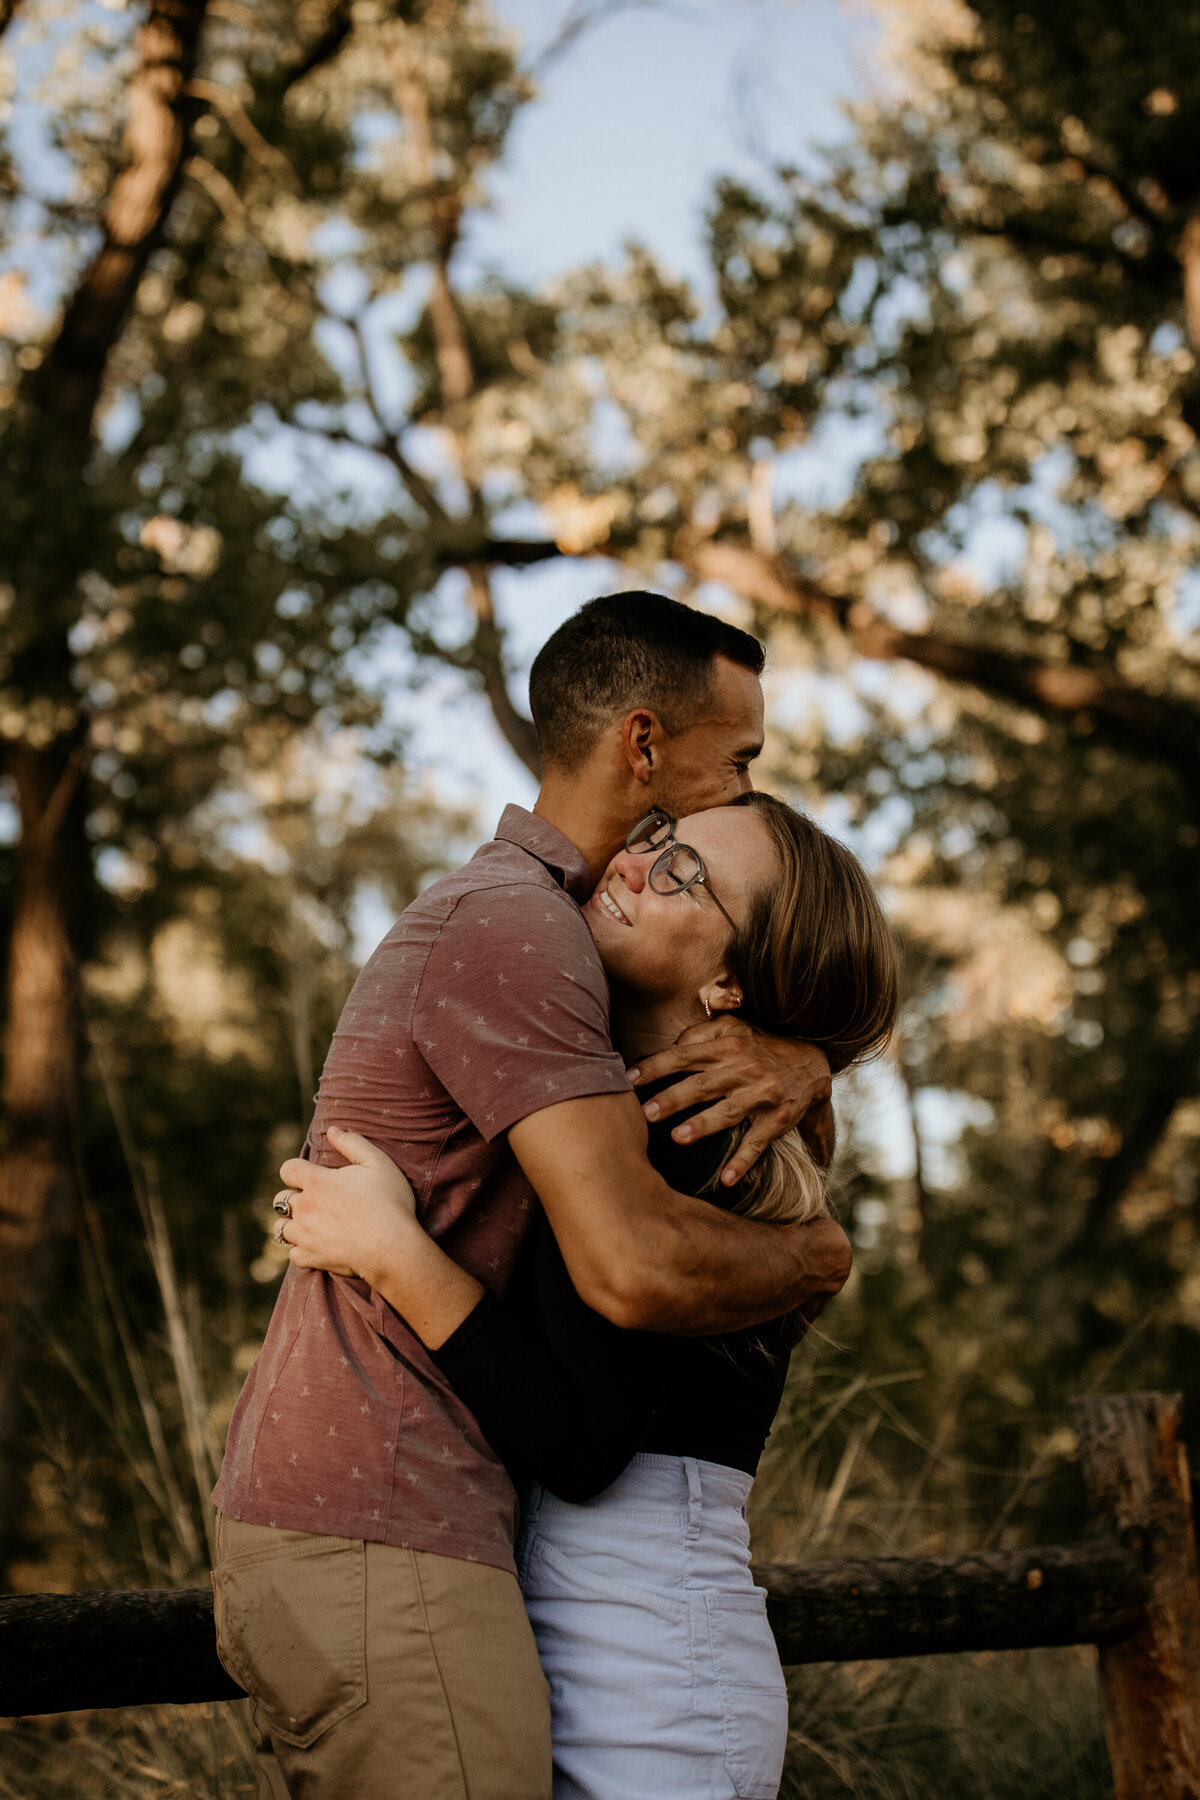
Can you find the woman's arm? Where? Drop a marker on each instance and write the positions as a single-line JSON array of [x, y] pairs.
[[573, 1429], [571, 1423], [365, 1224]]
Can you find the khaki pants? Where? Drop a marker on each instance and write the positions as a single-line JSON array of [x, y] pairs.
[[380, 1674]]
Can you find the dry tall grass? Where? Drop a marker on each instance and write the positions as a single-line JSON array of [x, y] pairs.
[[142, 1753], [965, 1728], [1015, 1726]]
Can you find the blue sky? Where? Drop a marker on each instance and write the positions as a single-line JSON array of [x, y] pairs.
[[636, 119], [631, 126], [628, 133]]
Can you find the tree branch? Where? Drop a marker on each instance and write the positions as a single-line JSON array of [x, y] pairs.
[[503, 553], [70, 379], [1042, 237], [449, 338], [457, 376], [580, 17], [1149, 724], [324, 46], [218, 187], [243, 127], [1127, 194], [251, 126], [419, 490], [487, 659], [1189, 260]]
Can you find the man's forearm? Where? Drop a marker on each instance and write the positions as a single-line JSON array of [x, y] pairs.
[[696, 1276], [657, 1260], [652, 1259]]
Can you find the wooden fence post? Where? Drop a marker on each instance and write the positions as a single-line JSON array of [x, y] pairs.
[[1138, 1489]]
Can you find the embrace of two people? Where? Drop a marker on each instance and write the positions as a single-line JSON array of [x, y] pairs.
[[481, 1523]]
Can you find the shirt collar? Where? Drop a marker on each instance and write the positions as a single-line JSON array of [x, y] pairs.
[[551, 848]]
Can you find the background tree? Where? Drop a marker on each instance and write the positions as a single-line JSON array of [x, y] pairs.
[[171, 624], [992, 284], [318, 433], [274, 445]]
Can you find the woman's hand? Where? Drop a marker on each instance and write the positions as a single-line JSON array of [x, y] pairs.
[[362, 1220], [357, 1220]]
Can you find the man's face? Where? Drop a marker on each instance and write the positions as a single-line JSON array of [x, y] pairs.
[[709, 764]]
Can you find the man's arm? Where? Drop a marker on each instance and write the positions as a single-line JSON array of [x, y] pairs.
[[736, 1073], [649, 1258]]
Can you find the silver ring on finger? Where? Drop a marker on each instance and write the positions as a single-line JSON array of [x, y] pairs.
[[279, 1237], [283, 1204]]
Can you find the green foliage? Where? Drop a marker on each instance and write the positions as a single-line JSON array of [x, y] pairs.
[[985, 666]]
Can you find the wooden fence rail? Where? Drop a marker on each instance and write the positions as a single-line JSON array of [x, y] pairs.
[[1130, 1588]]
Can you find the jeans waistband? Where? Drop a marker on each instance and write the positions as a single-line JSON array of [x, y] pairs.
[[664, 1485]]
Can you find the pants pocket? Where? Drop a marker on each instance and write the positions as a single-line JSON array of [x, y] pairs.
[[291, 1629], [752, 1690], [559, 1573], [619, 1662]]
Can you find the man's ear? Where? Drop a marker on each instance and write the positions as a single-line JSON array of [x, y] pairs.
[[641, 736]]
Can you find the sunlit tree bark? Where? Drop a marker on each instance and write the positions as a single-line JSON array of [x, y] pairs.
[[47, 761]]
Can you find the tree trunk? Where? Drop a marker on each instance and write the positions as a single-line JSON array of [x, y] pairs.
[[453, 354], [69, 385], [1135, 1474], [39, 1087], [48, 763]]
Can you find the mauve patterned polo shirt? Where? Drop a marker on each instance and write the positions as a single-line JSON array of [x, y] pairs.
[[485, 1002]]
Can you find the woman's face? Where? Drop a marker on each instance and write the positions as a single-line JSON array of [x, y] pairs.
[[672, 946]]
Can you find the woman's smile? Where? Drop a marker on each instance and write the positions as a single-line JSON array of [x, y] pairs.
[[604, 900]]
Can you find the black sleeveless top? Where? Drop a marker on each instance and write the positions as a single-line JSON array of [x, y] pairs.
[[565, 1398]]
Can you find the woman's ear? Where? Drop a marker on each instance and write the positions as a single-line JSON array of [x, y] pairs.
[[722, 994]]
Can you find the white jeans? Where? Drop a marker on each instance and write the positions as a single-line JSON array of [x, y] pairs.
[[664, 1679]]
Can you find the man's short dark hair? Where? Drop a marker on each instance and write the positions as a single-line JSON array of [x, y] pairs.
[[624, 651]]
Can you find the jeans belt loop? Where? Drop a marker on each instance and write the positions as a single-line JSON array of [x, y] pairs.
[[695, 1507]]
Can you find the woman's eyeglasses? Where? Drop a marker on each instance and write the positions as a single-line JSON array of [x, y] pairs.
[[677, 867]]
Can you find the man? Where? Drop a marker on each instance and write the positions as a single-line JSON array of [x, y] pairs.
[[366, 1595]]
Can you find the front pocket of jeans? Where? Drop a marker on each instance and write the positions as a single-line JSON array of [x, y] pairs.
[[291, 1630], [752, 1689]]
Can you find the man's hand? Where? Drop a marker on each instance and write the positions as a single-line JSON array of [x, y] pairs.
[[776, 1083]]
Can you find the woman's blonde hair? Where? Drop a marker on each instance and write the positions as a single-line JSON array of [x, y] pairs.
[[815, 959]]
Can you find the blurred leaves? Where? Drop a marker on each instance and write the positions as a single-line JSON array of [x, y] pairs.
[[930, 427]]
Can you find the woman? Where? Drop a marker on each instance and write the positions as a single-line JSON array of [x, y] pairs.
[[637, 1452]]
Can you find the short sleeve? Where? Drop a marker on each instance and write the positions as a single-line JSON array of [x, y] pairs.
[[512, 1013]]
